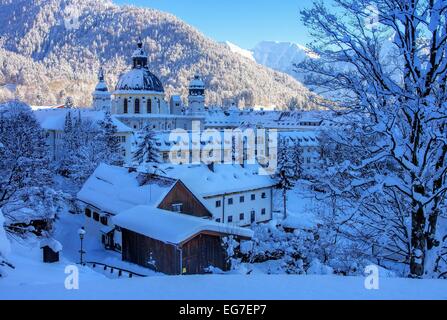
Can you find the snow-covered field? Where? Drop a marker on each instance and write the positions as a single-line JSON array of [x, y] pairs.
[[48, 283], [35, 280]]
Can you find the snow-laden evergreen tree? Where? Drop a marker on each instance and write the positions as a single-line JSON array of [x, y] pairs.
[[112, 141], [25, 176], [70, 145], [147, 150], [286, 169], [86, 144], [297, 160], [383, 63]]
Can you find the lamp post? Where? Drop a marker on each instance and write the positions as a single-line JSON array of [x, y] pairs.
[[81, 233]]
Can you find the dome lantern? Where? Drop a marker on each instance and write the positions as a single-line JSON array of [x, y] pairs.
[[139, 78], [139, 56]]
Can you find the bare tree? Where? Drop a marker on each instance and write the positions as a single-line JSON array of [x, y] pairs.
[[384, 65]]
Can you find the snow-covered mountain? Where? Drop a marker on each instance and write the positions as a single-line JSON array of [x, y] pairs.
[[279, 56], [243, 52], [53, 49]]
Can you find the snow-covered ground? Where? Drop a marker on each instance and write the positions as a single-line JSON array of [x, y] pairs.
[[32, 279], [37, 281]]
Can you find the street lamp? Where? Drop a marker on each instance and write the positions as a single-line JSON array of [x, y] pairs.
[[81, 233]]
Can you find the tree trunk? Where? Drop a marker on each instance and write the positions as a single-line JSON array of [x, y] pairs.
[[284, 193], [418, 243]]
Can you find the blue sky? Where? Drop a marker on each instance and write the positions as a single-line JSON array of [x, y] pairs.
[[243, 22]]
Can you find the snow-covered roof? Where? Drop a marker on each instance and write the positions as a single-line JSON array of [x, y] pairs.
[[139, 79], [304, 138], [172, 227], [54, 119], [101, 87], [280, 120], [53, 244], [226, 178], [197, 83], [115, 189]]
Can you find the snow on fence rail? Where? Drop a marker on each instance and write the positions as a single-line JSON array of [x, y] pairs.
[[112, 269]]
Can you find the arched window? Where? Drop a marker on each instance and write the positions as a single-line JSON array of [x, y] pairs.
[[126, 106], [137, 105], [149, 105]]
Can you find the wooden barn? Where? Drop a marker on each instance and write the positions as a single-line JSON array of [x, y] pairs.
[[174, 243]]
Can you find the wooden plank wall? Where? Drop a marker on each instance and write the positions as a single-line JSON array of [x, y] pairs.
[[137, 249], [191, 205], [204, 251]]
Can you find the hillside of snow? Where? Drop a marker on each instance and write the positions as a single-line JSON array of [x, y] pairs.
[[242, 52], [63, 43], [281, 56]]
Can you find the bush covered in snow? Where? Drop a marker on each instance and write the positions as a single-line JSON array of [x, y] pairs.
[[313, 251]]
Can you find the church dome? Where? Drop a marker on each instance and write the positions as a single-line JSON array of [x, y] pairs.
[[139, 78], [101, 86], [197, 83]]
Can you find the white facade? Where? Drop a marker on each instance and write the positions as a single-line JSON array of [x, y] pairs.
[[242, 208], [196, 97], [234, 194]]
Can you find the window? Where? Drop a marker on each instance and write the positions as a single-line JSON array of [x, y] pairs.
[[253, 197], [264, 195], [137, 105], [104, 221], [88, 213], [218, 220], [149, 106], [96, 216], [230, 201], [177, 207], [123, 139], [218, 204], [126, 106], [230, 219], [263, 212], [253, 216], [242, 199], [241, 217]]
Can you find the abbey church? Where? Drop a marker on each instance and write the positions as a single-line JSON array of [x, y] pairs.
[[139, 99]]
